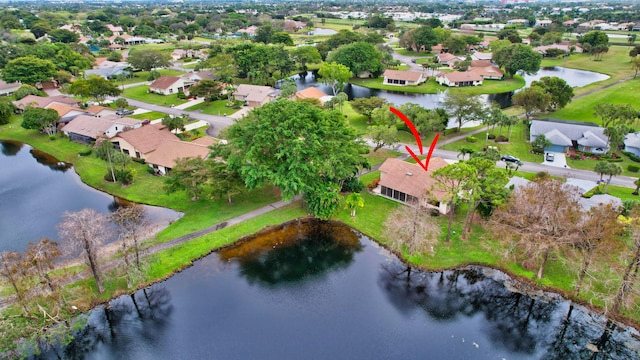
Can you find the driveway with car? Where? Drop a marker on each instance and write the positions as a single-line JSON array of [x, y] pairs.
[[556, 159]]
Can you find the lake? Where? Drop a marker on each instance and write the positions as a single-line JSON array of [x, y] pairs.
[[36, 189], [321, 290], [572, 76]]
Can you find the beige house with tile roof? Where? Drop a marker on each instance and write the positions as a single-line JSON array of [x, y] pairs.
[[403, 77], [141, 142], [255, 95], [86, 128], [8, 88], [459, 78], [313, 93], [164, 157], [39, 101], [411, 184], [167, 85]]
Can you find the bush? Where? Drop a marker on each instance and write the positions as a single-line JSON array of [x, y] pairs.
[[181, 95], [125, 177], [491, 136], [86, 152], [471, 139], [108, 177], [502, 138], [615, 160], [151, 170], [373, 184], [352, 184], [632, 156], [542, 175], [633, 168], [139, 160]]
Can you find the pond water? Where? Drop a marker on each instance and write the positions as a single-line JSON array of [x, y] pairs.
[[322, 31], [320, 290], [429, 101], [36, 189]]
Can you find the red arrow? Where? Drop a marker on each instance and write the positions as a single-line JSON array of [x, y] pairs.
[[412, 127]]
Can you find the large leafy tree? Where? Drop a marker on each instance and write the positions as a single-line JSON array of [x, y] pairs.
[[419, 39], [149, 59], [6, 110], [28, 70], [452, 180], [304, 55], [262, 64], [64, 36], [464, 108], [532, 99], [359, 57], [594, 38], [518, 57], [209, 89], [189, 174], [615, 115], [560, 92], [40, 119], [296, 147], [366, 106], [95, 87], [223, 66], [336, 75]]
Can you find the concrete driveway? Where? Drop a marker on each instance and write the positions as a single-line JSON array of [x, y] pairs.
[[560, 160]]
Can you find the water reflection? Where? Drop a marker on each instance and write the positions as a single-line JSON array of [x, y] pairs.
[[36, 188], [359, 302], [296, 252]]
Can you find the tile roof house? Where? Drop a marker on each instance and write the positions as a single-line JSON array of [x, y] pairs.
[[167, 85], [564, 135], [409, 183], [142, 141], [313, 93], [86, 128], [254, 95], [568, 48], [449, 59], [116, 30], [100, 111], [403, 77], [459, 78], [65, 112], [39, 101], [481, 56], [489, 72], [164, 157], [200, 75], [8, 88]]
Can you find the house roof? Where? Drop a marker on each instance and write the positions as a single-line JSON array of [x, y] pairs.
[[40, 101], [557, 138], [4, 85], [570, 129], [205, 141], [62, 109], [312, 93], [95, 109], [406, 75], [487, 71], [460, 76], [171, 150], [598, 199], [164, 82], [88, 125], [632, 140], [147, 138], [482, 56], [446, 57], [592, 140], [411, 178], [255, 92], [205, 75], [480, 63]]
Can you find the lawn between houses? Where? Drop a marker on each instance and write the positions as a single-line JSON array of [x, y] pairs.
[[431, 87]]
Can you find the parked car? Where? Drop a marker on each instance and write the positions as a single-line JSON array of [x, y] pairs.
[[509, 158], [550, 157], [146, 122], [123, 112]]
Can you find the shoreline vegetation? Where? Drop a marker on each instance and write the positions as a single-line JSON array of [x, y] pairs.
[[478, 250]]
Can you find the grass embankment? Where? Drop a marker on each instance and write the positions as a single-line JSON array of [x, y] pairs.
[[143, 76], [151, 115], [141, 93], [431, 87], [218, 107], [146, 188], [614, 63]]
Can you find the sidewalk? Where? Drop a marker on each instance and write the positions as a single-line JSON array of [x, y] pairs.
[[189, 104]]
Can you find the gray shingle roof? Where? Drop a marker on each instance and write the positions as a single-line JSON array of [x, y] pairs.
[[570, 130], [558, 138], [592, 140], [632, 140]]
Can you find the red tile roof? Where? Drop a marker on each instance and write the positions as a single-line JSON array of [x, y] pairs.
[[411, 178]]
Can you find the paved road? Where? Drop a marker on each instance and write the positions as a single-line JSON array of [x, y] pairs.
[[217, 122]]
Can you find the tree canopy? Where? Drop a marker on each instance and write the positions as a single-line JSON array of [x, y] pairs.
[[149, 59], [560, 93], [296, 147], [334, 74], [359, 57], [95, 87], [517, 57], [28, 70]]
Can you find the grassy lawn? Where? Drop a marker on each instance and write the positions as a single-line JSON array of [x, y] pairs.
[[431, 87], [151, 115], [581, 109], [378, 157], [141, 93], [614, 63], [142, 76], [218, 107]]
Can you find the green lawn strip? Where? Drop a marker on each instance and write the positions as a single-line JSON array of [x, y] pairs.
[[431, 87], [218, 107], [622, 192], [142, 76], [151, 115], [161, 47], [581, 109], [378, 157], [141, 93]]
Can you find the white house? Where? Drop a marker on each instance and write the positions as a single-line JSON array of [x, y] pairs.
[[459, 78], [167, 85], [8, 89], [86, 128], [403, 77]]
